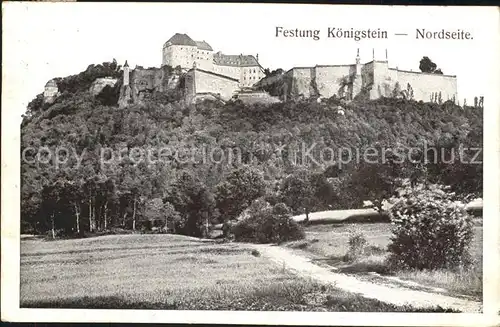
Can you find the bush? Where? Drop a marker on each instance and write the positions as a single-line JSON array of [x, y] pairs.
[[430, 230], [268, 225], [357, 243]]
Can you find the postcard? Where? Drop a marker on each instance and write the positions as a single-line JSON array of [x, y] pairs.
[[250, 164]]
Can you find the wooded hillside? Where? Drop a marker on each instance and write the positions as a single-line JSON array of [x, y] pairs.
[[193, 176]]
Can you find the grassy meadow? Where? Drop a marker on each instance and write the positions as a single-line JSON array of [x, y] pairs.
[[328, 244], [155, 271]]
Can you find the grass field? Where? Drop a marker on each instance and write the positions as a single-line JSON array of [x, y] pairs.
[[329, 244], [170, 272]]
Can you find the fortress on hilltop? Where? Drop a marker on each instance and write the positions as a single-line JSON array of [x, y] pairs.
[[192, 70], [193, 67]]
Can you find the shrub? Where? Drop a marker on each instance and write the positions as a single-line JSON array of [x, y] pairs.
[[357, 243], [255, 253], [268, 225], [430, 230]]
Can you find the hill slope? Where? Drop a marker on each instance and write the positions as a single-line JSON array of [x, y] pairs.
[[116, 160]]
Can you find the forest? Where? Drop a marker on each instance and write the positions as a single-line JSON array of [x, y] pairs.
[[89, 167]]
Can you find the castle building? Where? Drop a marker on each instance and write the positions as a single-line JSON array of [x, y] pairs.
[[202, 72], [181, 50], [372, 80]]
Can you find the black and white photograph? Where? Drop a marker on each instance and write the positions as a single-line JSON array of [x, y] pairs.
[[279, 159]]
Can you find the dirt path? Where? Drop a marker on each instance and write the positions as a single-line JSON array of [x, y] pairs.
[[395, 294]]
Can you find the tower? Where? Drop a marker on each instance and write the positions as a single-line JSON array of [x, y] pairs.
[[358, 64], [126, 73], [125, 91], [356, 81]]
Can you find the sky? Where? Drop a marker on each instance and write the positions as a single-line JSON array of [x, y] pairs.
[[47, 40]]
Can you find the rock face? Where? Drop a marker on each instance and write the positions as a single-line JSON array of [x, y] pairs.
[[125, 97], [146, 82], [100, 83]]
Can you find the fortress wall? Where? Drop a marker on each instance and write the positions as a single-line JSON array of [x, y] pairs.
[[367, 74], [301, 81], [158, 79], [231, 71], [146, 80], [287, 83], [329, 79], [383, 83], [143, 78], [393, 74], [257, 97], [425, 84], [205, 64], [209, 83], [189, 86]]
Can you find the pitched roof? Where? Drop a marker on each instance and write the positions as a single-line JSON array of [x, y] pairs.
[[202, 45], [235, 60], [180, 39]]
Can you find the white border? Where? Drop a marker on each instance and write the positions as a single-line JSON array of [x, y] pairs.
[[10, 273]]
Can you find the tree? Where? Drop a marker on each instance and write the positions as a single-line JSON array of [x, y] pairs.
[[89, 190], [396, 92], [430, 229], [158, 213], [106, 194], [237, 192], [427, 66], [172, 217], [135, 186], [109, 95], [193, 201], [299, 192], [409, 91], [50, 199], [73, 192], [268, 224]]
